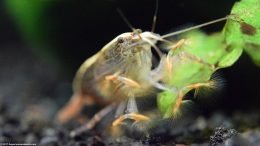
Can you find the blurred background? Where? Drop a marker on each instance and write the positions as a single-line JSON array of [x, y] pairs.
[[43, 43]]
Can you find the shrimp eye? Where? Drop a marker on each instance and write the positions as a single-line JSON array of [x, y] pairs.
[[120, 40]]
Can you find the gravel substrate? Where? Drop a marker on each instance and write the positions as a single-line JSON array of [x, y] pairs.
[[217, 130]]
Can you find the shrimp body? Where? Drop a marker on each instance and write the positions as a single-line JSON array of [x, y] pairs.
[[120, 70], [126, 56]]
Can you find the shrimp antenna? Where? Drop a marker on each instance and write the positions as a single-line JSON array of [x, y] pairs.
[[194, 27], [125, 19], [155, 15]]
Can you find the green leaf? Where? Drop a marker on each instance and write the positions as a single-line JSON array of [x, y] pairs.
[[243, 28], [254, 51], [195, 62], [208, 48], [228, 59], [212, 48], [36, 25], [30, 16], [165, 102]]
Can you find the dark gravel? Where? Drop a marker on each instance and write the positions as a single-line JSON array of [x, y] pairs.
[[197, 132]]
